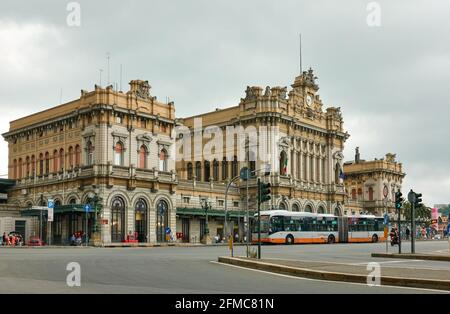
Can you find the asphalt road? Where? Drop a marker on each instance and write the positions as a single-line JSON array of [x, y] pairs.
[[187, 270]]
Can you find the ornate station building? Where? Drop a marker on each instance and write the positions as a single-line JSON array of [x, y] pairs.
[[107, 148], [304, 154], [119, 152], [371, 185]]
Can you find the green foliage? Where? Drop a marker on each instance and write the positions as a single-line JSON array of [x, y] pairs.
[[422, 212]]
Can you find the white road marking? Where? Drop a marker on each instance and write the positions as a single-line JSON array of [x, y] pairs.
[[389, 262], [338, 282]]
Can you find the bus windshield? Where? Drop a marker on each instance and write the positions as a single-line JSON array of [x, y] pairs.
[[264, 224]]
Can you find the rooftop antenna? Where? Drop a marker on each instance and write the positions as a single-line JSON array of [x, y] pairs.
[[100, 70], [108, 56], [301, 70]]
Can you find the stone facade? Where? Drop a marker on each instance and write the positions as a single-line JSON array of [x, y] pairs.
[[368, 182], [112, 145]]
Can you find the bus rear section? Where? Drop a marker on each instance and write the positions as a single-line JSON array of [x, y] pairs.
[[364, 228], [284, 227]]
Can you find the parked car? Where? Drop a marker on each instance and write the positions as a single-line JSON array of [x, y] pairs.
[[35, 241]]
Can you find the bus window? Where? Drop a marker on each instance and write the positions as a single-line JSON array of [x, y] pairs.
[[276, 224]]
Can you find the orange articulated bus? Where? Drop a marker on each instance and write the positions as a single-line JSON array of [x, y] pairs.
[[285, 227]]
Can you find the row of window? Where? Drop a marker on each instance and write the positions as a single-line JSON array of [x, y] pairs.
[[56, 162], [46, 161]]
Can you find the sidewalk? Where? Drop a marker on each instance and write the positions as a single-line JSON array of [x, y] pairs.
[[392, 276], [122, 245]]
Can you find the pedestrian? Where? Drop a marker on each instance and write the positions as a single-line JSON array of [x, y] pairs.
[[407, 233], [5, 239]]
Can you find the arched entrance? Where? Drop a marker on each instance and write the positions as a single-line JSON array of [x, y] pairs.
[[140, 218], [117, 219], [162, 220]]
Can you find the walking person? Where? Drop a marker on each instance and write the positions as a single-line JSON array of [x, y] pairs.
[[407, 232]]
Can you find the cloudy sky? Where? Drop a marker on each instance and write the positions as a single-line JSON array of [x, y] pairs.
[[391, 81]]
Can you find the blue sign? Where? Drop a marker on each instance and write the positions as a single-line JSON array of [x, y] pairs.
[[50, 204], [168, 231], [87, 208], [386, 219]]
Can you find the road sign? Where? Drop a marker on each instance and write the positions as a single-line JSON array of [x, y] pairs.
[[50, 207], [267, 170], [412, 197], [244, 173], [87, 208], [168, 231]]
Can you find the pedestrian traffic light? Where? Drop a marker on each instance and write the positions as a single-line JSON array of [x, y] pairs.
[[398, 200], [264, 192], [418, 201]]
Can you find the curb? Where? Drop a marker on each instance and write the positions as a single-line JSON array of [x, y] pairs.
[[430, 257], [335, 276]]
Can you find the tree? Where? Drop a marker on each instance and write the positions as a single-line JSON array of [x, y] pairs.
[[422, 212]]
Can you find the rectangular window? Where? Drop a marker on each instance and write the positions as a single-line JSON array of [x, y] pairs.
[[220, 202], [236, 204], [119, 119], [186, 200]]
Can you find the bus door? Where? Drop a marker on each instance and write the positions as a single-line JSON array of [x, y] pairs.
[[343, 229]]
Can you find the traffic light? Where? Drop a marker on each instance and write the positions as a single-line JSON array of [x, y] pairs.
[[418, 201], [264, 192], [398, 200]]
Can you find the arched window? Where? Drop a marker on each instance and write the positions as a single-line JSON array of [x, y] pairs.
[[41, 164], [117, 219], [89, 153], [370, 193], [215, 170], [304, 172], [163, 160], [55, 161], [353, 194], [19, 170], [324, 167], [311, 169], [337, 211], [72, 201], [47, 163], [308, 209], [162, 220], [321, 210], [283, 163], [33, 165], [224, 168], [143, 157], [27, 167], [118, 154], [15, 169], [77, 156], [317, 169], [71, 157], [207, 171], [234, 167], [282, 206], [198, 171], [295, 207], [190, 173], [252, 160], [140, 218], [61, 159]]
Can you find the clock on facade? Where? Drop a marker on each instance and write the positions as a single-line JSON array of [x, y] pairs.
[[309, 100]]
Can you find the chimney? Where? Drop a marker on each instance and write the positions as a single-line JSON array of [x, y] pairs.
[[357, 156]]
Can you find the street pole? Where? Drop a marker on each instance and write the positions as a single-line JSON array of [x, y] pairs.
[[248, 219], [259, 218], [399, 237], [413, 228], [86, 232], [40, 224]]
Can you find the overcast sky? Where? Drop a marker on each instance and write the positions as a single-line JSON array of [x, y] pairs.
[[391, 81]]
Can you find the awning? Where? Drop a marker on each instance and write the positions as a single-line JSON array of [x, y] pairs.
[[213, 212], [61, 209]]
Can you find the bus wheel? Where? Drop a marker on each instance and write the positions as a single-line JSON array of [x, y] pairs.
[[290, 239], [330, 239], [374, 238]]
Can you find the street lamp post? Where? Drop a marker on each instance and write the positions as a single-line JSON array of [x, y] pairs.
[[206, 205]]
